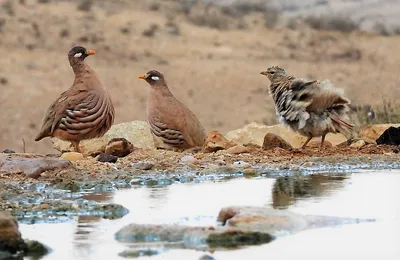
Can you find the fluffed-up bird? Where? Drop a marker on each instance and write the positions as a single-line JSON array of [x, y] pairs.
[[311, 108], [84, 111], [169, 119]]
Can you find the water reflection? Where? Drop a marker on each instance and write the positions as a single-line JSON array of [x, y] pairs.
[[286, 190]]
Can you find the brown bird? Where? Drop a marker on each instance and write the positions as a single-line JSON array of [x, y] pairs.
[[169, 119], [84, 111], [311, 108]]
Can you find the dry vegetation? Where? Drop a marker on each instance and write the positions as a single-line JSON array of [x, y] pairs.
[[210, 55]]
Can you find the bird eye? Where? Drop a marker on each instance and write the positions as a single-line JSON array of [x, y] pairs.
[[271, 72]]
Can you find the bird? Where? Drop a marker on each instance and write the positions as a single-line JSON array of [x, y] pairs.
[[311, 108], [169, 119], [84, 111]]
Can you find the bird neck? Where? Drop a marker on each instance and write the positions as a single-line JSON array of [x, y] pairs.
[[83, 71]]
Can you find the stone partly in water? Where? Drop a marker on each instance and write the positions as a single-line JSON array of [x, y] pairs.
[[272, 141], [254, 133], [215, 141], [30, 164], [390, 136], [138, 253], [372, 132], [137, 133], [119, 147], [10, 237]]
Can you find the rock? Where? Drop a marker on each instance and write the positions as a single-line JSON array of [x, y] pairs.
[[143, 165], [107, 158], [190, 237], [119, 147], [30, 164], [206, 257], [136, 132], [10, 237], [189, 159], [316, 144], [254, 133], [8, 151], [274, 221], [272, 141], [130, 253], [215, 141], [36, 249], [390, 136], [237, 149], [241, 164], [250, 172], [358, 144], [372, 132], [72, 156]]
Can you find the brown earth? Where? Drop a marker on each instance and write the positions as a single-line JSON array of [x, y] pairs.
[[215, 72]]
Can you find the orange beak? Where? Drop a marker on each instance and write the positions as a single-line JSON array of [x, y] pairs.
[[142, 77], [91, 52]]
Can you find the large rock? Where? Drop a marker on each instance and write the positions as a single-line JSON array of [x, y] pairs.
[[274, 221], [372, 132], [254, 133], [10, 237], [390, 136], [30, 164], [137, 133]]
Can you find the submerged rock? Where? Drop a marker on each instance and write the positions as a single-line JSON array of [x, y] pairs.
[[136, 132], [10, 237], [130, 253], [30, 164], [372, 132], [390, 136]]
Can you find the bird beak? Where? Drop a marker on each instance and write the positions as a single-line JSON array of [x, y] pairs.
[[91, 52], [263, 73], [142, 77]]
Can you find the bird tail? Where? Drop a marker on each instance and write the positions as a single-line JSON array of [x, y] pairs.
[[338, 114]]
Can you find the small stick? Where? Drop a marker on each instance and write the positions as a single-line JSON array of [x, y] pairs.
[[23, 145]]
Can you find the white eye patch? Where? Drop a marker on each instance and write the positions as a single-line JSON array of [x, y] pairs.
[[155, 78], [77, 55]]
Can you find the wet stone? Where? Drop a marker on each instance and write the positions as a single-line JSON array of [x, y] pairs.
[[107, 158], [138, 253], [206, 257]]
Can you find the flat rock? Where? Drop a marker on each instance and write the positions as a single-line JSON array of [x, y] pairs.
[[254, 133], [372, 132], [10, 237], [30, 164], [136, 132], [274, 221]]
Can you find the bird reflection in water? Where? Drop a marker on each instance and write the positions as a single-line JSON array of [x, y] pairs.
[[288, 189]]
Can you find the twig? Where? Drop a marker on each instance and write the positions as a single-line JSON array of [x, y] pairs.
[[23, 145]]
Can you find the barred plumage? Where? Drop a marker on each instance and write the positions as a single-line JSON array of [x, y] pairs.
[[169, 119], [84, 111], [309, 107]]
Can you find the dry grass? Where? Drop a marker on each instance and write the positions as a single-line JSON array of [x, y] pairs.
[[214, 72]]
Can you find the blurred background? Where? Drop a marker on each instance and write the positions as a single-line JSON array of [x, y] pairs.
[[210, 51]]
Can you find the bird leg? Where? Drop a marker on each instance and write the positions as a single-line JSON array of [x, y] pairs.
[[75, 144], [308, 140], [322, 142]]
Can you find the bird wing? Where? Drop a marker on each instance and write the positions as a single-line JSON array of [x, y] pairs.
[[76, 111]]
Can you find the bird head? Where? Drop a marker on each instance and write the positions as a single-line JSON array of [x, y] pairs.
[[79, 53], [275, 73], [153, 77]]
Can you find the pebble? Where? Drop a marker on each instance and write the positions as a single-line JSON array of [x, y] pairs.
[[241, 164], [107, 158], [307, 164], [250, 172], [143, 165], [72, 156], [189, 159], [8, 151]]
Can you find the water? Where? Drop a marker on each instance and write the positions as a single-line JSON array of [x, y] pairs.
[[362, 195]]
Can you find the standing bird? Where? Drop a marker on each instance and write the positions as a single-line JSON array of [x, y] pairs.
[[169, 119], [84, 111], [310, 107]]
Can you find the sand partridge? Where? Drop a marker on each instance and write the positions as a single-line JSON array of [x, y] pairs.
[[169, 119], [311, 108], [84, 111]]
